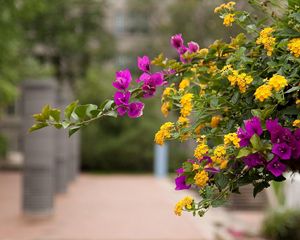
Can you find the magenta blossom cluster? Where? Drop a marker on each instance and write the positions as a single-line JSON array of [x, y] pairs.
[[149, 80], [178, 43], [122, 97], [285, 145]]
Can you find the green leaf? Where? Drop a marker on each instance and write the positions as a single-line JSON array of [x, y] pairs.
[[69, 109], [235, 97], [243, 152], [39, 117], [112, 114], [256, 112], [259, 187], [46, 112], [55, 114], [37, 126], [108, 105], [293, 89], [187, 166], [73, 130], [255, 141], [218, 203], [221, 180], [81, 111], [65, 124]]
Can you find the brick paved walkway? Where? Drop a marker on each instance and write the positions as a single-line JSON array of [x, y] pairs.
[[105, 207]]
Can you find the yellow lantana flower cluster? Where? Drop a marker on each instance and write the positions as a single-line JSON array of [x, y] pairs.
[[186, 104], [165, 108], [184, 84], [228, 19], [215, 120], [225, 6], [183, 121], [296, 123], [164, 133], [232, 138], [294, 46], [242, 80], [276, 82], [201, 150], [265, 38], [168, 91], [201, 178], [219, 156], [186, 202]]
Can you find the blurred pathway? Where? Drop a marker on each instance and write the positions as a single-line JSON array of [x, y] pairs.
[[106, 207]]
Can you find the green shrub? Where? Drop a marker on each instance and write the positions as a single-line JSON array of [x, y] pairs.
[[282, 225], [3, 146]]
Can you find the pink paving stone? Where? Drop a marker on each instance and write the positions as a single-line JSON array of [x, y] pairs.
[[99, 207]]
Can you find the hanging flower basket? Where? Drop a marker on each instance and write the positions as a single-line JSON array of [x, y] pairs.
[[239, 100]]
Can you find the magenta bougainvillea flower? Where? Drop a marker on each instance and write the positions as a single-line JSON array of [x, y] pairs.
[[254, 160], [144, 63], [244, 137], [193, 47], [177, 40], [180, 183], [135, 109], [253, 126], [151, 82], [123, 79], [276, 167], [282, 150], [122, 98]]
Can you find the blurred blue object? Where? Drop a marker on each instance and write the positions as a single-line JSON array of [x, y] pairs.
[[161, 161]]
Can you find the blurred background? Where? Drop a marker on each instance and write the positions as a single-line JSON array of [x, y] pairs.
[[50, 186]]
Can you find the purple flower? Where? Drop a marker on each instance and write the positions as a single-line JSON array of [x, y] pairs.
[[193, 47], [244, 137], [206, 159], [254, 160], [122, 98], [176, 40], [151, 82], [253, 126], [144, 63], [135, 109], [144, 77], [180, 170], [276, 167], [180, 183], [297, 134], [272, 125], [122, 110], [123, 79], [182, 50], [282, 150]]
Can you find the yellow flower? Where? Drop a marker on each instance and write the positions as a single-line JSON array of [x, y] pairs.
[[186, 104], [203, 53], [229, 6], [294, 46], [296, 123], [198, 129], [186, 202], [215, 120], [165, 108], [298, 102], [212, 68], [263, 92], [201, 178], [184, 84], [240, 79], [265, 38], [226, 68], [164, 133], [232, 138], [168, 91], [223, 164], [277, 82], [183, 121], [220, 151], [200, 150], [228, 19], [195, 166]]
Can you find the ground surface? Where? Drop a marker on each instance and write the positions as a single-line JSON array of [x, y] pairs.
[[112, 207]]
